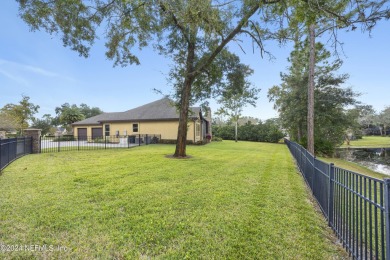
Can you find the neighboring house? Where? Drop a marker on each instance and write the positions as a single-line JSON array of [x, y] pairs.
[[4, 132], [159, 117], [60, 131]]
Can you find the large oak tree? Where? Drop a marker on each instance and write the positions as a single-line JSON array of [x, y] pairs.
[[193, 33]]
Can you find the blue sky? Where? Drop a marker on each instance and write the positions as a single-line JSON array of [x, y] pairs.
[[37, 65]]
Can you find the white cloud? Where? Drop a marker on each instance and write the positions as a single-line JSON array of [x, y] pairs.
[[14, 70], [18, 79], [40, 71]]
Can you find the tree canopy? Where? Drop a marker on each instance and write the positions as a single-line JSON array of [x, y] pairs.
[[45, 124], [7, 123], [331, 99], [68, 114], [20, 115], [237, 91]]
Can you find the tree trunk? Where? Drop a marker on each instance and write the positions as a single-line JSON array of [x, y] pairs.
[[310, 103], [181, 141], [236, 130]]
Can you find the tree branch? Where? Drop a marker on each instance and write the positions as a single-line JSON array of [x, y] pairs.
[[177, 24], [258, 42], [225, 41]]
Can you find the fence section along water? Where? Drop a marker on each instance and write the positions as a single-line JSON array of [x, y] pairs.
[[356, 206], [71, 143], [14, 148]]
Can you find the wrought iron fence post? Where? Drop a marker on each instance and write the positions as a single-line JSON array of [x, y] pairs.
[[146, 139], [139, 140], [330, 195], [78, 143], [387, 216], [59, 143], [105, 142], [40, 144]]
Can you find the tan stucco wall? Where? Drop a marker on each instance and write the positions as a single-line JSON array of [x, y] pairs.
[[167, 129], [122, 127]]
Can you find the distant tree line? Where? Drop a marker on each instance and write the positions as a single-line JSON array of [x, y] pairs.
[[371, 122], [267, 131], [16, 117]]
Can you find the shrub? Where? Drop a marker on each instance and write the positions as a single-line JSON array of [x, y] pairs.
[[64, 138], [189, 142], [262, 132], [216, 139], [155, 140], [97, 140]]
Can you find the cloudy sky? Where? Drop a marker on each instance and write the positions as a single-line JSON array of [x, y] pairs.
[[37, 65]]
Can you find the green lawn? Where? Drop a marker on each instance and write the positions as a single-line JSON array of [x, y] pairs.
[[369, 141], [229, 201]]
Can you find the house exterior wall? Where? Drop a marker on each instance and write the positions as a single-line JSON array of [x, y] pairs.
[[124, 128], [167, 129]]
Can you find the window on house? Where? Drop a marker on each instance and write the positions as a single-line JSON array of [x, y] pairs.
[[107, 130], [135, 128]]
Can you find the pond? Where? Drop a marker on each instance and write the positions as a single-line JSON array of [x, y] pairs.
[[376, 159]]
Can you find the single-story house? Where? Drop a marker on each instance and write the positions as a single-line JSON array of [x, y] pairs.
[[156, 118]]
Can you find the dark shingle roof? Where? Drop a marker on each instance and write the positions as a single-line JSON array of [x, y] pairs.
[[162, 109]]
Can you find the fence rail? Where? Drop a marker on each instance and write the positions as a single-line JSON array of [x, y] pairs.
[[356, 206], [14, 148], [71, 143]]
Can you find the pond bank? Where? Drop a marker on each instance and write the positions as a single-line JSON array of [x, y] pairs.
[[376, 159]]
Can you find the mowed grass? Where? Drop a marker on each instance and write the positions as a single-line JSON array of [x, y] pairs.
[[369, 141], [229, 201]]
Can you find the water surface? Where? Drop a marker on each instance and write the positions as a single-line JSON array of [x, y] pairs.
[[376, 159]]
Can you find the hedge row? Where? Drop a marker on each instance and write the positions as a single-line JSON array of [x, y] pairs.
[[263, 132]]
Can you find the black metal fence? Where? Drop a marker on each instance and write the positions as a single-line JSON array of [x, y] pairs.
[[71, 143], [356, 206], [13, 148]]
